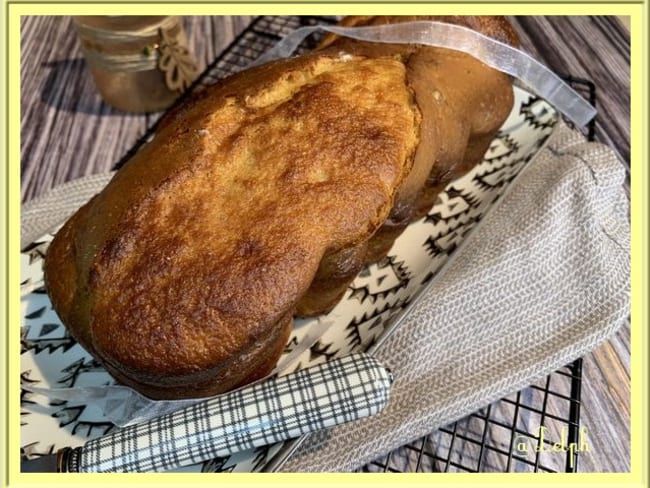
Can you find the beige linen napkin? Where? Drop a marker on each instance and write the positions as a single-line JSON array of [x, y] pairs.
[[541, 281]]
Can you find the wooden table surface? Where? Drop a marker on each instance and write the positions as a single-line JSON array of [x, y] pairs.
[[68, 132]]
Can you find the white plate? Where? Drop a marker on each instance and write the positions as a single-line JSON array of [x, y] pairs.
[[51, 358]]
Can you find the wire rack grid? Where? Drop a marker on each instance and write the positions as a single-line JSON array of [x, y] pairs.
[[530, 431]]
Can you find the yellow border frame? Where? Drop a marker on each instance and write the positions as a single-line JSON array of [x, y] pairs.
[[10, 247]]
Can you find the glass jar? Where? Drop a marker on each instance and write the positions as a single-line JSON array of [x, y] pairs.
[[139, 63]]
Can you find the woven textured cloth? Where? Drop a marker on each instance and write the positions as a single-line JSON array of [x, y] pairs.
[[542, 280], [39, 215]]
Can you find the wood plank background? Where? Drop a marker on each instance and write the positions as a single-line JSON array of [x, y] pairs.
[[68, 132]]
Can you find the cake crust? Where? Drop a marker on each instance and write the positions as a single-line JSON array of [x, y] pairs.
[[195, 255]]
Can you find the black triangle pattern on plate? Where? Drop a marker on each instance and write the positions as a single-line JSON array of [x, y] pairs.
[[319, 350], [218, 465], [36, 313], [90, 429], [50, 345], [261, 457], [74, 370], [47, 328]]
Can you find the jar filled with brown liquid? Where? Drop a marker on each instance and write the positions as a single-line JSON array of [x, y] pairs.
[[139, 63]]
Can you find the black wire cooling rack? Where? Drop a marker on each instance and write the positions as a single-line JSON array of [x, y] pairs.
[[530, 431]]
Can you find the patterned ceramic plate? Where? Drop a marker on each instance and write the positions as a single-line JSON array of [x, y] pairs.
[[51, 358]]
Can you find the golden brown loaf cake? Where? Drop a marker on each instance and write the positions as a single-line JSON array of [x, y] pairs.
[[183, 274], [261, 198]]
